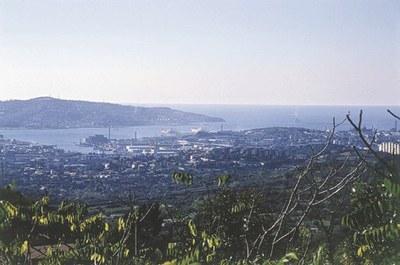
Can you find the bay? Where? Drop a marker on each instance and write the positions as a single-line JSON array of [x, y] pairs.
[[238, 117]]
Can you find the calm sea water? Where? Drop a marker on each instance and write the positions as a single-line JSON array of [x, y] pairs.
[[238, 117]]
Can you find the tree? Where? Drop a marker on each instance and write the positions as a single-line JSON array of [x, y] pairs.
[[374, 215]]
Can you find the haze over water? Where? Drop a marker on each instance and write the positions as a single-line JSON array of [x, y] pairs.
[[238, 117]]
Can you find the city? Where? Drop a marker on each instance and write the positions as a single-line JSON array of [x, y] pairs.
[[144, 166]]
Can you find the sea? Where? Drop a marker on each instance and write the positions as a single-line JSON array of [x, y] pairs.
[[237, 117]]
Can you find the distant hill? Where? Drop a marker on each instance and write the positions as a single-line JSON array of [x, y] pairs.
[[51, 113]]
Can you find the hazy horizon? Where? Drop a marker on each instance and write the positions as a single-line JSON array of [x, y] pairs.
[[149, 104], [324, 53]]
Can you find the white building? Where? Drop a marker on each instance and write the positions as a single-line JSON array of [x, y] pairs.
[[389, 147]]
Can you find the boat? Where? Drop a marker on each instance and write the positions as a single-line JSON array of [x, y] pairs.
[[169, 132], [166, 130]]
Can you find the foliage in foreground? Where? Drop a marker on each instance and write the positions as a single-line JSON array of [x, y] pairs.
[[135, 238], [218, 232]]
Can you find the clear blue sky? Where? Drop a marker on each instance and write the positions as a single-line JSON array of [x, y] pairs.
[[208, 51]]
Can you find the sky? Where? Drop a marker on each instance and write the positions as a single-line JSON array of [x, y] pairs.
[[202, 51]]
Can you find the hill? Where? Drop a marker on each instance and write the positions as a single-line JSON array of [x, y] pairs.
[[51, 113]]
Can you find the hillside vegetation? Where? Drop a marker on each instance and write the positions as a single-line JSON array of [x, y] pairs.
[[51, 113]]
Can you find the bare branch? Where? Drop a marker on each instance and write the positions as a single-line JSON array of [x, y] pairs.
[[368, 145], [394, 115]]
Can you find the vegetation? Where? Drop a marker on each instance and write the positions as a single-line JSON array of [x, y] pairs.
[[342, 211], [46, 112], [374, 215]]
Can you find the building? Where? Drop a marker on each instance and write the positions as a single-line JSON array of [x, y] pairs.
[[390, 147]]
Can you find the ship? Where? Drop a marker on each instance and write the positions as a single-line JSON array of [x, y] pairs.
[[169, 132]]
